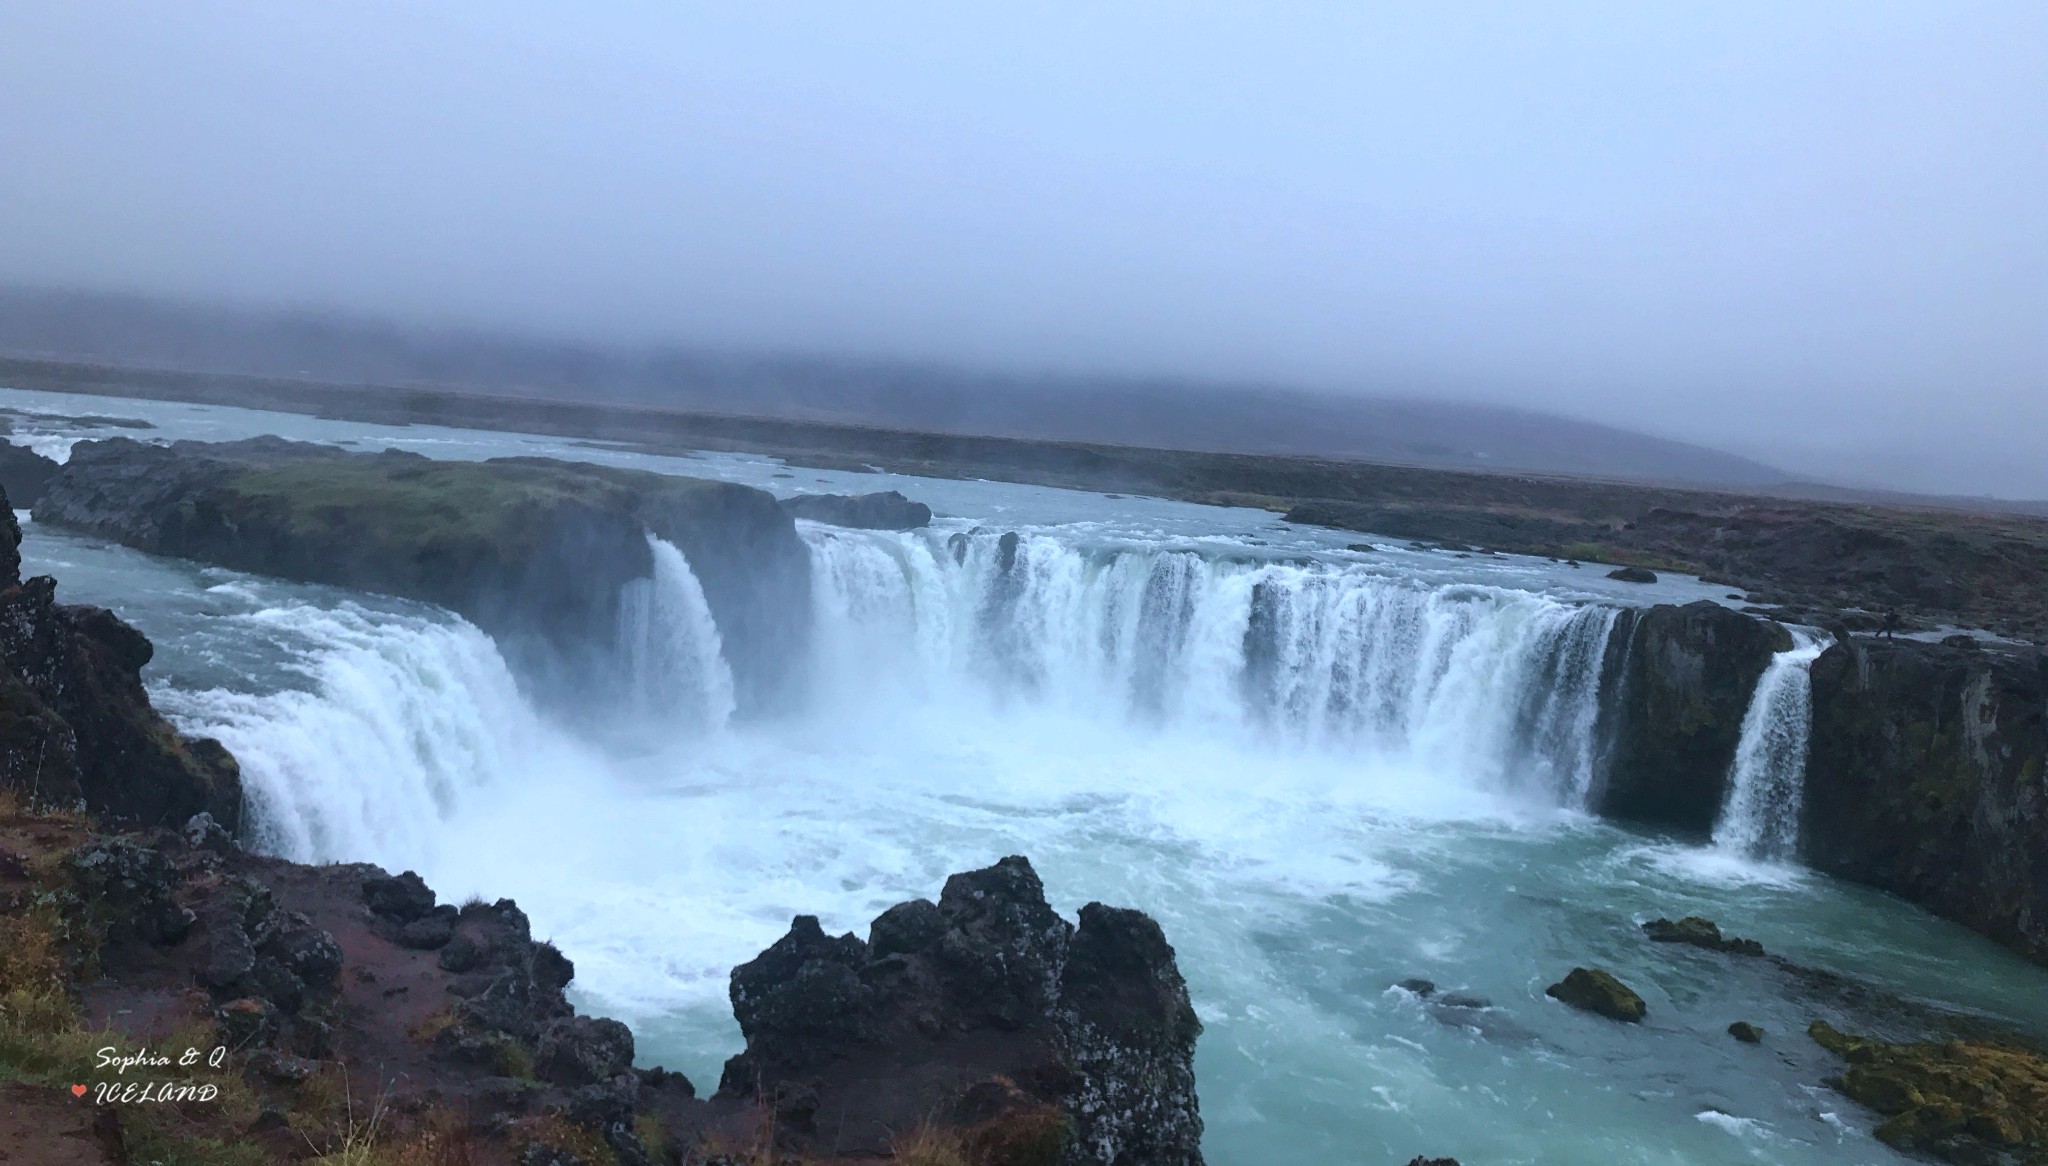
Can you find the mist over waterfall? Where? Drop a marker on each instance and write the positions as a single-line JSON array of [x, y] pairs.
[[1768, 778], [1495, 688], [395, 722]]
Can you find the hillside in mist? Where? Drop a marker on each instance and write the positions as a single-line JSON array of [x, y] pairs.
[[1123, 411]]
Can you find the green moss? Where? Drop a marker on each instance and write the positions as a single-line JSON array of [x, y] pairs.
[[1598, 991], [444, 505], [1961, 1101], [163, 1143]]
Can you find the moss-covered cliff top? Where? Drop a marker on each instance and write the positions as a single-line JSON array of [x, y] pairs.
[[444, 506]]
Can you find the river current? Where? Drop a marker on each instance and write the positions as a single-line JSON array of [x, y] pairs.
[[1325, 763]]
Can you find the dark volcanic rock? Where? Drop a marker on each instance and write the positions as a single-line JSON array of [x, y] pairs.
[[986, 994], [1129, 1034], [888, 510], [403, 897], [1699, 932], [1746, 1032], [24, 473], [534, 551], [1681, 679], [76, 726], [1593, 990], [134, 886], [1928, 778], [1633, 575], [583, 1050]]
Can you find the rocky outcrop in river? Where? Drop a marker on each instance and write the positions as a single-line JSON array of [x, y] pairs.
[[887, 510], [1928, 777], [1679, 681], [76, 727], [532, 550]]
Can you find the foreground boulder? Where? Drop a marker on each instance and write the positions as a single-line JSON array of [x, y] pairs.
[[76, 727], [532, 550], [1927, 777], [887, 510], [1681, 679], [1600, 992], [985, 1011], [1960, 1101]]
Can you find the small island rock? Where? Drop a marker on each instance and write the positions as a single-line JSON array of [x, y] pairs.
[[1594, 990]]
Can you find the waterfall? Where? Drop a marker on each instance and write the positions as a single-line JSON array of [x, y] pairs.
[[1497, 687], [396, 723], [393, 724], [1767, 780], [670, 655]]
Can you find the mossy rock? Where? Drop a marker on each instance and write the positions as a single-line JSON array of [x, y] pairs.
[[1960, 1101], [1696, 931], [1597, 991]]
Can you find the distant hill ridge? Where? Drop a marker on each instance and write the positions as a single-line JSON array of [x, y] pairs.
[[1158, 413]]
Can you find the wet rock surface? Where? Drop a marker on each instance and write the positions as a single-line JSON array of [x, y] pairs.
[[1927, 777], [887, 510], [1967, 1102], [1681, 679], [1599, 992], [1694, 931]]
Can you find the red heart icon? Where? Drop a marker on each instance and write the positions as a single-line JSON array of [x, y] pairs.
[[78, 1091]]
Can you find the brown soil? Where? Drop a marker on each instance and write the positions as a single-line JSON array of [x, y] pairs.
[[49, 1127]]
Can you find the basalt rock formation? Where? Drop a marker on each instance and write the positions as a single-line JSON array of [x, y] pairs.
[[24, 473], [76, 727], [534, 551], [1681, 679], [888, 510], [1927, 777], [986, 1009], [303, 978]]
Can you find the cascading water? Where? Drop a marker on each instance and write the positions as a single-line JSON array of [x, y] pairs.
[[1768, 778], [395, 723], [670, 653], [1496, 687]]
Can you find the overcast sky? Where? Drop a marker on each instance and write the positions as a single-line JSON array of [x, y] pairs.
[[1811, 233]]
